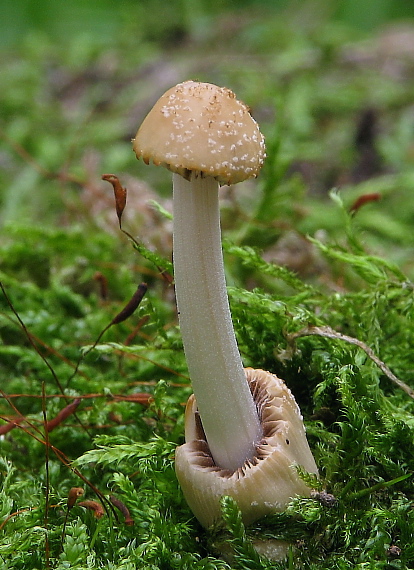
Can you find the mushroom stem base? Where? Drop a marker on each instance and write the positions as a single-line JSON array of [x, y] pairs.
[[263, 485]]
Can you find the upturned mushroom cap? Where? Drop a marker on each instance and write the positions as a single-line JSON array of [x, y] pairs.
[[263, 486], [202, 128]]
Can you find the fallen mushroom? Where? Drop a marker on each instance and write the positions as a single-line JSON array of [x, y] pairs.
[[206, 137]]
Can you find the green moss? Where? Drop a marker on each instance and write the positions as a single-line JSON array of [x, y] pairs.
[[321, 291]]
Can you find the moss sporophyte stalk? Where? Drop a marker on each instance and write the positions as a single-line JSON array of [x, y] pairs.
[[244, 431]]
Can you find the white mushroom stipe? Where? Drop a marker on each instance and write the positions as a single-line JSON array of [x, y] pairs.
[[227, 409]]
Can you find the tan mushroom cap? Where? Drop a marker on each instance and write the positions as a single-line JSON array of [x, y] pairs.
[[261, 487], [202, 128]]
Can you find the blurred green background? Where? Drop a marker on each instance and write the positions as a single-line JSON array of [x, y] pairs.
[[78, 77], [102, 19]]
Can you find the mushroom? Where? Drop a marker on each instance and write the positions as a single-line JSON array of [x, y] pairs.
[[208, 138]]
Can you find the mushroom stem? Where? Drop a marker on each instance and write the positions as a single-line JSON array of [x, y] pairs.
[[228, 412]]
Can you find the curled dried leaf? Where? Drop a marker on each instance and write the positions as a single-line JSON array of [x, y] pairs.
[[120, 194], [365, 199], [74, 495], [11, 424], [62, 415], [140, 398], [123, 508], [103, 284], [132, 305], [94, 506]]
